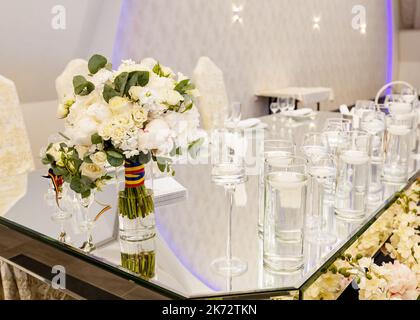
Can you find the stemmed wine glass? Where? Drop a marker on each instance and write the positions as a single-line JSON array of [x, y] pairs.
[[274, 108], [234, 114], [228, 171], [85, 221]]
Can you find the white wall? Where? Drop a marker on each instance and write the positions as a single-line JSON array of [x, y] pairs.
[[33, 54], [275, 46], [409, 55]]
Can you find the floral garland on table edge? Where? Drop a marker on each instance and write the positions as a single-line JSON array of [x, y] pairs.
[[398, 233], [137, 113]]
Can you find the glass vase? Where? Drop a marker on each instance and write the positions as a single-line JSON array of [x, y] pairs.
[[136, 215]]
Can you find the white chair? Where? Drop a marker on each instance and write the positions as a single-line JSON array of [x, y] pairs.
[[213, 101]]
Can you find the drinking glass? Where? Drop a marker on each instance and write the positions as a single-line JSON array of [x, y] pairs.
[[335, 129], [373, 122], [399, 103], [86, 222], [286, 104], [285, 206], [235, 113], [398, 146], [359, 109], [228, 149], [322, 174], [315, 145], [270, 148], [353, 176]]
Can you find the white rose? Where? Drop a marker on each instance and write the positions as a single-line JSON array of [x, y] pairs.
[[91, 170], [99, 158], [81, 150], [119, 105], [171, 97], [62, 111], [105, 130], [54, 151]]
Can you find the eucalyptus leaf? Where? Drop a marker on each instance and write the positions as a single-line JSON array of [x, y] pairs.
[[82, 87], [109, 93], [115, 154], [144, 158], [96, 63], [96, 139], [121, 83]]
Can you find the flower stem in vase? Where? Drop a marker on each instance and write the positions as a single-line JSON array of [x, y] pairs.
[[142, 263], [137, 222], [136, 205]]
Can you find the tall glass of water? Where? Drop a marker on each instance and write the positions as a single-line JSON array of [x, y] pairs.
[[270, 148], [373, 122], [353, 176], [228, 149], [335, 130], [322, 174], [285, 206], [398, 147]]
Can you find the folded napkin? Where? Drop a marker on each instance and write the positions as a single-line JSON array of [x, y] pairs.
[[245, 124], [300, 112]]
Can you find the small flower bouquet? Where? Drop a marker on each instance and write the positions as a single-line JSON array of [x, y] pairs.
[[140, 113]]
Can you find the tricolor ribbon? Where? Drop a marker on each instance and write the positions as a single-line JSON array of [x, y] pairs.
[[134, 174]]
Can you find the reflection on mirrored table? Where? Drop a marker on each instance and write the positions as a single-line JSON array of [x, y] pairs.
[[192, 231]]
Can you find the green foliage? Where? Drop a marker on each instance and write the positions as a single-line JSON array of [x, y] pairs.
[[96, 139], [183, 86], [123, 83], [194, 147], [96, 63], [82, 87], [114, 158]]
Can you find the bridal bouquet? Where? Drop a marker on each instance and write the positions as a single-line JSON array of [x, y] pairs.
[[139, 112]]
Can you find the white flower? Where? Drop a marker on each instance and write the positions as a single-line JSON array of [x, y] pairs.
[[156, 135], [118, 134], [99, 112], [92, 171], [81, 150], [148, 63], [105, 130], [99, 158], [124, 120], [119, 105], [184, 125], [100, 78], [62, 111], [82, 131], [54, 151], [139, 115]]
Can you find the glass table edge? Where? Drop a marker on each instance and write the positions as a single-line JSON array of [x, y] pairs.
[[96, 261], [375, 216]]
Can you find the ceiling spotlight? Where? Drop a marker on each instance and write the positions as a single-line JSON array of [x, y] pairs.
[[237, 12]]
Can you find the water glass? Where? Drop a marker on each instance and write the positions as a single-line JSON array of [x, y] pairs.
[[322, 175], [285, 206], [315, 146], [270, 149], [398, 146], [373, 122], [353, 176], [359, 109], [335, 129]]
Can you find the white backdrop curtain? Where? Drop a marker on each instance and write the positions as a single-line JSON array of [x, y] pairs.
[[410, 14]]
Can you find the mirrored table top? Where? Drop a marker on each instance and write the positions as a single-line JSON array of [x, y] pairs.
[[192, 231]]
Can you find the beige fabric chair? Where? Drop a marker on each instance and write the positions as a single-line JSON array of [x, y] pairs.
[[213, 101], [15, 151]]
